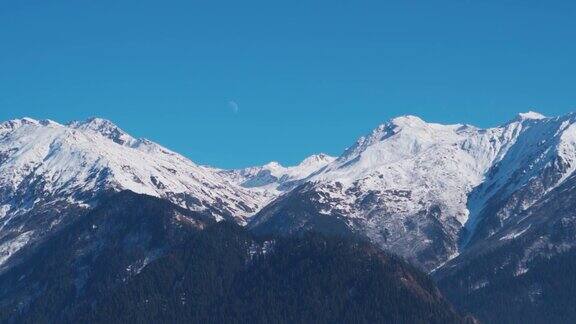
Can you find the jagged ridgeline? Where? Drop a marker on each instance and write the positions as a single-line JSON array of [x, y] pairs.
[[473, 207]]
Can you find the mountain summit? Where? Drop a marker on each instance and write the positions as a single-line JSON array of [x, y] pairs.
[[479, 209], [423, 190], [47, 169]]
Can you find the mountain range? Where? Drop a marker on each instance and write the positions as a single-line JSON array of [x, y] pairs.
[[486, 212]]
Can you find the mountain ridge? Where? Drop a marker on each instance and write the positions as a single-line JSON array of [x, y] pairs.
[[47, 168], [417, 188], [471, 206], [420, 189]]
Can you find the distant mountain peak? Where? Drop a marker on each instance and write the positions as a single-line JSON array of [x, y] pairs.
[[48, 122], [105, 128], [13, 124], [408, 120], [316, 159], [46, 167], [407, 171], [274, 178], [93, 123], [28, 120], [530, 115], [20, 121]]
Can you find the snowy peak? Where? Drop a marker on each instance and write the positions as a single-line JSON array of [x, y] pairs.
[[530, 115], [272, 178], [13, 124], [308, 166], [409, 185], [97, 155], [273, 165], [48, 169], [412, 186], [411, 132], [316, 160], [540, 156], [408, 121], [412, 123], [105, 128]]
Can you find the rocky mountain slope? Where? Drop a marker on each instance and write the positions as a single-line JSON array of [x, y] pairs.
[[422, 190], [137, 258], [427, 191], [100, 250], [525, 271], [49, 171], [475, 207], [274, 179]]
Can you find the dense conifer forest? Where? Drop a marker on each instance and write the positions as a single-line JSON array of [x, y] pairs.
[[208, 272]]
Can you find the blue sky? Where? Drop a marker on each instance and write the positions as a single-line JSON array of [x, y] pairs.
[[238, 83]]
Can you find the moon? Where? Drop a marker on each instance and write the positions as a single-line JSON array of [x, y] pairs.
[[233, 105]]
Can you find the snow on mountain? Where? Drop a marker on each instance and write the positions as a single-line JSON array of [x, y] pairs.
[[530, 115], [542, 158], [422, 190], [273, 178], [526, 261], [434, 162], [406, 185], [45, 166]]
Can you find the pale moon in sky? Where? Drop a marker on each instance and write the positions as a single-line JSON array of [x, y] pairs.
[[233, 105]]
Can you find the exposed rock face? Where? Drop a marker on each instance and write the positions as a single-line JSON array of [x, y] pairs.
[[49, 171], [428, 191]]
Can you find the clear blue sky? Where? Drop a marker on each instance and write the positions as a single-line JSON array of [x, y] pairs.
[[237, 83]]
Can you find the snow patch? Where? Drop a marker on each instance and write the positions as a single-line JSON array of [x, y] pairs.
[[531, 115], [514, 235], [8, 248]]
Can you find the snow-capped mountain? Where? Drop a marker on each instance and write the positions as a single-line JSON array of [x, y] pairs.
[[524, 272], [419, 189], [274, 179], [480, 209], [542, 158], [423, 190], [522, 241], [47, 168]]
